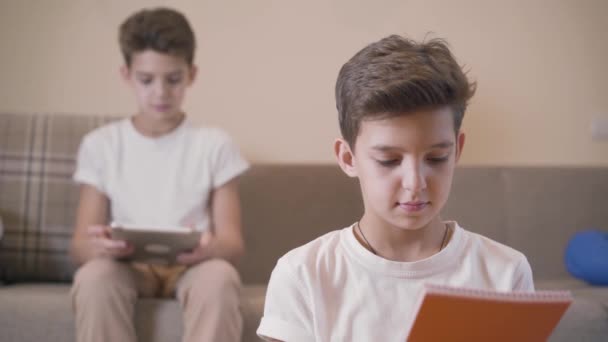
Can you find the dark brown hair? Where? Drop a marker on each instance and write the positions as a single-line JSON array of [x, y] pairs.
[[395, 76], [161, 29]]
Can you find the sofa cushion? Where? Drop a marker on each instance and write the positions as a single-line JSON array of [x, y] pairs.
[[42, 312], [587, 317], [37, 195], [585, 320]]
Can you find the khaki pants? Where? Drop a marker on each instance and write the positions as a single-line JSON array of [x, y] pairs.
[[105, 291]]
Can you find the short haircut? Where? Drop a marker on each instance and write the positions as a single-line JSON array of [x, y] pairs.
[[160, 29], [396, 75]]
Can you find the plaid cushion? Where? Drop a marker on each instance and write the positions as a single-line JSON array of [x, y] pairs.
[[37, 195]]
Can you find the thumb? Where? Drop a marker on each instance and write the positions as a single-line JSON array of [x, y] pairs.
[[206, 238], [98, 230]]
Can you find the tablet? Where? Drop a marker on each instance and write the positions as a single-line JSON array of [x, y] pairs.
[[155, 245]]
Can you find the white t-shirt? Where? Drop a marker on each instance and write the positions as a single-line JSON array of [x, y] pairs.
[[333, 289], [161, 181]]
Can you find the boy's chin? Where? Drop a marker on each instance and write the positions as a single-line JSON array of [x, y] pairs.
[[411, 223], [163, 115]]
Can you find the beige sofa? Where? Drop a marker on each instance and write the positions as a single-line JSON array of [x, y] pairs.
[[532, 209]]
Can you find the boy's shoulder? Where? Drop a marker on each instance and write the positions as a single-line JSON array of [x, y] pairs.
[[108, 127], [105, 133], [492, 250], [119, 129], [309, 254], [504, 265], [209, 133]]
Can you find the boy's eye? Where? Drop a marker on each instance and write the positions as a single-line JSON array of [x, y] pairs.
[[388, 162], [437, 160], [145, 81], [174, 80]]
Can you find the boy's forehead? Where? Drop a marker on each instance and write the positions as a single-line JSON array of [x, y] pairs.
[[153, 61], [416, 129]]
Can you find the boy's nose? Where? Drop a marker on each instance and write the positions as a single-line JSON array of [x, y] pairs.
[[413, 178], [161, 89]]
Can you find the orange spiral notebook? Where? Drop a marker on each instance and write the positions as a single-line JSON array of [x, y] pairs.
[[447, 313]]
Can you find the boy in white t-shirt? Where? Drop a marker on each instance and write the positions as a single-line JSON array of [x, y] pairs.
[[155, 169], [400, 105]]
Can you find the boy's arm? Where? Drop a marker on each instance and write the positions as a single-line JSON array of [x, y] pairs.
[[288, 313], [524, 280], [91, 235], [226, 241]]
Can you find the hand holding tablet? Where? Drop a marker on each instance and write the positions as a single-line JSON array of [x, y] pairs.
[[158, 245]]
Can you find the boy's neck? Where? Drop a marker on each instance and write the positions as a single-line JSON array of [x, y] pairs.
[[153, 128], [397, 244]]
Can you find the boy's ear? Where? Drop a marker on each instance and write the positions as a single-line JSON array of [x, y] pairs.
[[460, 139], [124, 72], [345, 156], [193, 70]]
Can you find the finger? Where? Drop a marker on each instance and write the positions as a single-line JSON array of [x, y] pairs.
[[187, 258], [118, 252], [98, 230], [123, 252], [113, 244]]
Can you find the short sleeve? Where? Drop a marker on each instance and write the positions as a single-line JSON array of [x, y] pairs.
[[287, 310], [227, 160], [523, 277], [89, 163]]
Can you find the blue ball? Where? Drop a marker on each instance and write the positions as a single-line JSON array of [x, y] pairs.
[[586, 256]]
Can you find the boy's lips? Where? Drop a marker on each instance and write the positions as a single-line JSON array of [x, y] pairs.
[[162, 107], [413, 206]]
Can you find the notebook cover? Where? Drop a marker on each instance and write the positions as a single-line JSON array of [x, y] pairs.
[[457, 314]]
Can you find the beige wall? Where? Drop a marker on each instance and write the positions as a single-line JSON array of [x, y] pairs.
[[268, 67]]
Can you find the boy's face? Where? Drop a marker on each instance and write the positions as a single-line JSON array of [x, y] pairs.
[[405, 166], [159, 82]]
